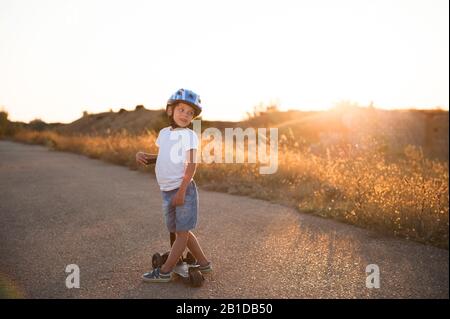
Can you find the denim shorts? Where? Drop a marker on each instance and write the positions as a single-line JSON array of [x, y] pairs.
[[181, 218]]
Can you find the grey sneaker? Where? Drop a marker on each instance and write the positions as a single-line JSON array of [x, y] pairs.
[[157, 276], [205, 269]]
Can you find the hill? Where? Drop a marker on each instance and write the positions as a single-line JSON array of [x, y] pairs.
[[319, 130]]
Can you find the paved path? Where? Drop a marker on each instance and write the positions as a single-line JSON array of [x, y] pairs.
[[60, 208]]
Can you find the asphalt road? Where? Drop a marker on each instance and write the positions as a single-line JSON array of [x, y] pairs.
[[59, 208]]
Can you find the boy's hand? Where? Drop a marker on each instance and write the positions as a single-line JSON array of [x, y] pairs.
[[141, 158], [178, 199]]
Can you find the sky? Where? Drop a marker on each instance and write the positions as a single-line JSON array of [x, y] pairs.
[[59, 58]]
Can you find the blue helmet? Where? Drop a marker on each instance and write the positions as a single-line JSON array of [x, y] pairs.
[[188, 97]]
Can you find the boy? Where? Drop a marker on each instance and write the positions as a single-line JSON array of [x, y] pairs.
[[175, 169]]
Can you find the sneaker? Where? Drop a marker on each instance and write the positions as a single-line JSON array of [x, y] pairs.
[[157, 276], [205, 269]]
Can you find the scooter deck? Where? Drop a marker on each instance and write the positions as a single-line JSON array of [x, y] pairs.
[[183, 269]]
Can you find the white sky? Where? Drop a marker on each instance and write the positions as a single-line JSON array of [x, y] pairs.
[[60, 57]]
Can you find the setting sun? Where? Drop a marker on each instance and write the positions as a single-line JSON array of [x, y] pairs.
[[60, 58]]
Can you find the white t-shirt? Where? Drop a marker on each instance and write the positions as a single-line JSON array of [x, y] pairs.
[[172, 158]]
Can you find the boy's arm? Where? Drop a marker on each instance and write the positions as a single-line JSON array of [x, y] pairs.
[[189, 172]]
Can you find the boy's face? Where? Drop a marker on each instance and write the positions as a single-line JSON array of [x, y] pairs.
[[182, 114]]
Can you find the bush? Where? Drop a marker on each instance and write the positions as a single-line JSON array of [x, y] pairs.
[[7, 128], [37, 125], [4, 123]]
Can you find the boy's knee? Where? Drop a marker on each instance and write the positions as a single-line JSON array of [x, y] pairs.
[[183, 234]]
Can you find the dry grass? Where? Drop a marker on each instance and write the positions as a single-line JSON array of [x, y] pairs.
[[358, 185], [118, 148]]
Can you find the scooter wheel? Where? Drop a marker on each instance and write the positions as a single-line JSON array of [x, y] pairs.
[[156, 260], [196, 277]]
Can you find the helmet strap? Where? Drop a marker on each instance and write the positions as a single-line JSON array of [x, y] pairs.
[[172, 122]]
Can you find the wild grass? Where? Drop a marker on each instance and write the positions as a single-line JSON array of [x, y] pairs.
[[357, 184]]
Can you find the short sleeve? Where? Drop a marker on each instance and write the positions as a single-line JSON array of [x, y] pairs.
[[191, 142], [158, 139]]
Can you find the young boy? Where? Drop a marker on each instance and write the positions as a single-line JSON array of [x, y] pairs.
[[175, 169]]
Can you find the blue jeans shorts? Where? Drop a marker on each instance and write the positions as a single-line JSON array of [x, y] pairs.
[[181, 218]]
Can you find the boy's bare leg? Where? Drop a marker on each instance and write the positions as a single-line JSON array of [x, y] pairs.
[[177, 250], [196, 250]]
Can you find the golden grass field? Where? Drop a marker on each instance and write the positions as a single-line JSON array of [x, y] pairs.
[[355, 184]]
